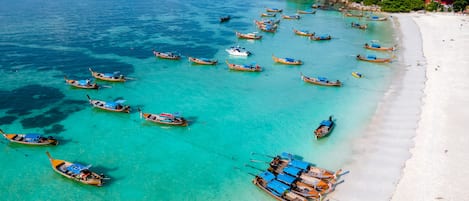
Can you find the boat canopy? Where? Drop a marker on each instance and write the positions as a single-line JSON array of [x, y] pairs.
[[292, 170], [371, 56], [374, 17], [299, 164], [287, 155], [267, 176], [375, 45], [324, 36], [32, 135], [108, 74], [110, 105], [83, 82], [326, 123], [290, 60], [322, 79], [287, 179], [277, 187], [76, 168]]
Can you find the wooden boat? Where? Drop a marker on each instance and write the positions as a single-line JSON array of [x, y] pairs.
[[291, 17], [321, 81], [109, 106], [76, 171], [353, 15], [324, 128], [82, 84], [320, 37], [268, 15], [357, 75], [268, 25], [249, 68], [305, 12], [111, 77], [274, 10], [164, 118], [359, 26], [252, 36], [376, 18], [376, 46], [30, 139], [225, 19], [303, 32], [267, 22], [266, 181], [315, 6], [374, 59], [203, 61], [284, 160], [238, 51], [288, 61], [167, 55]]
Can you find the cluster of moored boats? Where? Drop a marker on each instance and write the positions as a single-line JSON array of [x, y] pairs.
[[291, 179]]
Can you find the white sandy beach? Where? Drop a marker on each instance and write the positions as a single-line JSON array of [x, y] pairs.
[[420, 119]]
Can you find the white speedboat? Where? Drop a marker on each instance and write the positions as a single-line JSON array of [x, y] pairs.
[[238, 51]]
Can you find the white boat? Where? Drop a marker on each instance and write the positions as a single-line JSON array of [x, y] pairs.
[[238, 51]]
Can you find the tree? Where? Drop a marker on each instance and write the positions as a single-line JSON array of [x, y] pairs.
[[460, 5]]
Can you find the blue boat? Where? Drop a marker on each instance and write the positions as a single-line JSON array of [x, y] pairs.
[[324, 128]]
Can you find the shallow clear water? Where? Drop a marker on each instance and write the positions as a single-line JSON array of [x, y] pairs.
[[232, 113]]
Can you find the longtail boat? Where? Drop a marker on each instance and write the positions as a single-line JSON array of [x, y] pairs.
[[268, 15], [295, 176], [373, 58], [76, 171], [164, 118], [268, 28], [303, 32], [291, 17], [324, 128], [359, 26], [111, 77], [267, 22], [167, 55], [81, 84], [274, 10], [267, 182], [252, 36], [30, 139], [378, 47], [305, 12], [321, 81], [245, 67], [320, 37], [284, 160], [109, 106], [203, 61], [376, 18], [357, 74], [288, 61]]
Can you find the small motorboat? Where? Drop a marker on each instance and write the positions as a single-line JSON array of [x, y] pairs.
[[111, 77], [268, 15], [378, 47], [376, 18], [267, 182], [251, 36], [373, 58], [357, 74], [225, 19], [288, 61], [321, 81], [167, 55], [303, 33], [291, 17], [359, 26], [173, 119], [245, 67], [274, 10], [305, 12], [320, 37], [203, 61], [238, 51], [81, 84]]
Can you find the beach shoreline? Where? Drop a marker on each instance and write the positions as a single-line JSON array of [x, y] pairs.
[[379, 154], [437, 167]]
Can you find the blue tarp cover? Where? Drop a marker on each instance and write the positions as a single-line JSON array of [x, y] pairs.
[[108, 74], [267, 176], [76, 168], [371, 57], [292, 170], [374, 17], [287, 155], [322, 79], [326, 123], [375, 45], [82, 82], [32, 135], [299, 164], [277, 187], [110, 105], [289, 59], [286, 178]]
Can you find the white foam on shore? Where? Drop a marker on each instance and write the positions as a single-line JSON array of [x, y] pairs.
[[438, 169], [380, 153]]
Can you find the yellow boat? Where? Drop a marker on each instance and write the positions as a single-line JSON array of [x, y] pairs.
[[29, 139], [357, 74], [76, 171], [110, 77]]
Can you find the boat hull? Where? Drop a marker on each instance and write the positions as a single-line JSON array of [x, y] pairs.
[[317, 82], [237, 67], [202, 62], [147, 116], [101, 76]]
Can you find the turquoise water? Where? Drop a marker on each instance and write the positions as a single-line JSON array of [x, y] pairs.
[[232, 114]]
